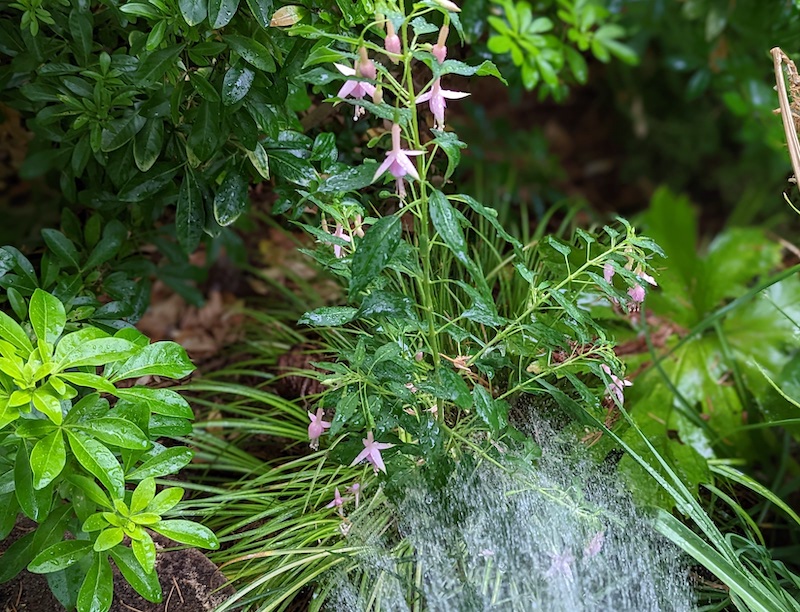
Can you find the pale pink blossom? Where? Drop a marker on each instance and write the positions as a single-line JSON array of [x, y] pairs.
[[337, 502], [355, 489], [439, 50], [372, 453], [316, 427], [617, 385], [608, 272], [436, 99], [647, 278], [357, 90], [392, 42], [397, 162], [338, 248], [595, 545], [637, 295], [561, 565]]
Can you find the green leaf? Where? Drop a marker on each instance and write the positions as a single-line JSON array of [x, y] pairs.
[[351, 179], [143, 495], [160, 401], [117, 432], [166, 359], [8, 413], [165, 501], [144, 582], [10, 331], [141, 187], [118, 132], [91, 489], [204, 138], [220, 12], [258, 157], [490, 215], [99, 461], [168, 461], [74, 350], [187, 532], [491, 411], [251, 51], [382, 303], [17, 556], [483, 309], [147, 144], [328, 316], [80, 28], [92, 381], [190, 214], [97, 589], [236, 84], [145, 552], [193, 11], [446, 223], [48, 458], [48, 404], [47, 315], [114, 234], [203, 87], [156, 64], [451, 145], [62, 247], [231, 199], [485, 68], [262, 11], [59, 556], [35, 503], [109, 538], [446, 384], [374, 252]]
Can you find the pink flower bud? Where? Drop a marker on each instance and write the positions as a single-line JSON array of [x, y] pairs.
[[392, 42], [439, 50], [366, 68]]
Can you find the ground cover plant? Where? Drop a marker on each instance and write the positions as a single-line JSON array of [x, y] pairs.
[[479, 412]]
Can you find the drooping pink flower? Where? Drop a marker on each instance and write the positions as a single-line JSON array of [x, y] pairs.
[[617, 385], [397, 162], [357, 90], [647, 278], [637, 295], [339, 233], [608, 272], [595, 545], [392, 42], [372, 453], [316, 427], [436, 99], [439, 50], [355, 489], [337, 502]]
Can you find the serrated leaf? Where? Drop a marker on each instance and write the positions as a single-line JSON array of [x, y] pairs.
[[374, 252], [491, 411]]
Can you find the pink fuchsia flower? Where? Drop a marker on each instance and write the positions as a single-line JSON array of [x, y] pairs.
[[608, 272], [372, 453], [439, 50], [397, 162], [355, 489], [617, 385], [637, 295], [450, 6], [595, 545], [338, 248], [316, 427], [357, 90], [337, 502], [436, 101], [392, 42]]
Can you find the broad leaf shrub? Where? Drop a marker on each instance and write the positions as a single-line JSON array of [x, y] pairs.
[[82, 470]]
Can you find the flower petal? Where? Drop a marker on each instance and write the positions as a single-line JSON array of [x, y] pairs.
[[384, 166], [347, 89], [405, 163], [345, 70], [453, 95]]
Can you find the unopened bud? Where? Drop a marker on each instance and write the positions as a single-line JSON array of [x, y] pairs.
[[419, 356], [392, 42], [377, 97], [365, 68], [439, 49], [450, 6]]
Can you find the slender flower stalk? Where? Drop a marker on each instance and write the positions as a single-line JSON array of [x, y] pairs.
[[364, 68], [397, 163], [439, 50], [436, 99]]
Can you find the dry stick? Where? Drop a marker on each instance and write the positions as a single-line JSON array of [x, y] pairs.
[[785, 109]]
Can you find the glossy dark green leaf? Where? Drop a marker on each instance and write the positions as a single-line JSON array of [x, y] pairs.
[[482, 310], [97, 589], [114, 234], [145, 583], [190, 214], [203, 87], [351, 179], [47, 316], [35, 503], [9, 509], [168, 461], [231, 199], [328, 316], [193, 11], [448, 385], [80, 28], [167, 359], [204, 138], [451, 145], [381, 303], [262, 11], [79, 349], [220, 12], [17, 302], [187, 532], [260, 160], [236, 84], [17, 556], [291, 167], [374, 252], [493, 412], [446, 222], [144, 186], [120, 131], [99, 461], [59, 556], [147, 144], [48, 458], [160, 401], [485, 68], [62, 247], [116, 432], [156, 64], [251, 51]]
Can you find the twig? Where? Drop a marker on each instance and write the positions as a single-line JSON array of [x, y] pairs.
[[175, 582], [785, 110]]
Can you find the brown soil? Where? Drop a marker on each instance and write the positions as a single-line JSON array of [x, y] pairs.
[[189, 580]]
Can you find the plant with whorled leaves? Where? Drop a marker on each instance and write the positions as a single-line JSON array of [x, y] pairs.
[[67, 457]]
